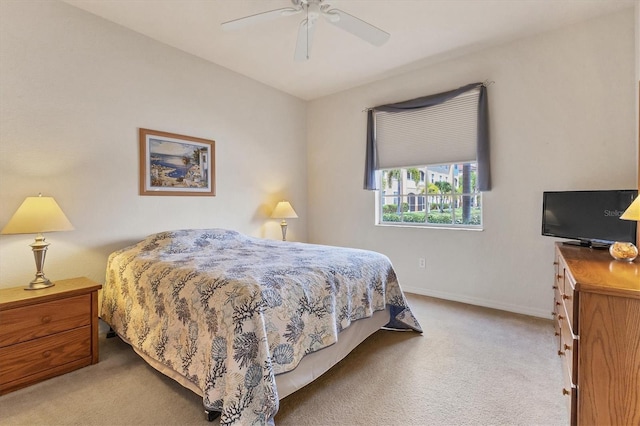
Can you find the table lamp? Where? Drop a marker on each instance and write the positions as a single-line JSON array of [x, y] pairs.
[[633, 211], [627, 251], [35, 216], [284, 211]]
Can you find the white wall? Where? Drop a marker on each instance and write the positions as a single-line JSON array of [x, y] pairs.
[[562, 117], [75, 88]]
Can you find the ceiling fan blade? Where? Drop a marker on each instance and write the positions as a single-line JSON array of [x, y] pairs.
[[305, 39], [259, 17], [357, 27]]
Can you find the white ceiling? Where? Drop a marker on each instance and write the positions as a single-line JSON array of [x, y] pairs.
[[422, 32]]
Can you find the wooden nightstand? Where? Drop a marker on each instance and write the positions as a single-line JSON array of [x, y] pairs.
[[46, 333]]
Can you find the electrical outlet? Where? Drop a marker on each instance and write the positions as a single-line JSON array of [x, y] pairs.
[[422, 263]]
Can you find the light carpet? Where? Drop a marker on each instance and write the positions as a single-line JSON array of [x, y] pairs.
[[472, 366]]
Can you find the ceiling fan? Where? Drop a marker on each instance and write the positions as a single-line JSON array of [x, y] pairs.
[[312, 10]]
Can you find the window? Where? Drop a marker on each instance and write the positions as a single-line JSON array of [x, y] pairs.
[[428, 158], [405, 199]]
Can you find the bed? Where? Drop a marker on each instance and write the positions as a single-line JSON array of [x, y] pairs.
[[244, 321]]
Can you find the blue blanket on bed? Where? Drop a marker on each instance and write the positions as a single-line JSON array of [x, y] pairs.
[[228, 312]]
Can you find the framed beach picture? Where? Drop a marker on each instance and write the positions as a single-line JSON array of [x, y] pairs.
[[172, 164]]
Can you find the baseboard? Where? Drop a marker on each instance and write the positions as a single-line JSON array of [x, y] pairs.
[[525, 310]]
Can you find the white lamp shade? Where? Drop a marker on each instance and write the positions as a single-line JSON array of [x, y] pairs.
[[284, 210], [633, 211], [37, 214]]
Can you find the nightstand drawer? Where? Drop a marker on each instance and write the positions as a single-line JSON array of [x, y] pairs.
[[38, 355], [43, 319]]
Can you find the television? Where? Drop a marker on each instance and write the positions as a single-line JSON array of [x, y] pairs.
[[590, 218]]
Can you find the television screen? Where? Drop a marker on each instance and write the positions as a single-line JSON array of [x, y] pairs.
[[588, 216]]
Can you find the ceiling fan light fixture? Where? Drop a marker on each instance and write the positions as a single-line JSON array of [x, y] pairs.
[[313, 9]]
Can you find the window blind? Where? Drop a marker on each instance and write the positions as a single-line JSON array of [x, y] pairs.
[[443, 133]]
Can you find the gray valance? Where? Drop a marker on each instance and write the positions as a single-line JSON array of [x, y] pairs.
[[482, 132]]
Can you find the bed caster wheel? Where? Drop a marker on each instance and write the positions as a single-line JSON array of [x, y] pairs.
[[211, 415]]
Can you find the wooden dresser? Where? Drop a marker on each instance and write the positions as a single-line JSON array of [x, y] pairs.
[[48, 332], [597, 308]]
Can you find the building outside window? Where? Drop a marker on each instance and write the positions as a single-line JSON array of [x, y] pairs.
[[406, 199]]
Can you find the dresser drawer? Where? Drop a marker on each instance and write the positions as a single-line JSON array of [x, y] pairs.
[[558, 281], [571, 398], [568, 358], [558, 314], [568, 352], [44, 319], [560, 271], [568, 312], [35, 356]]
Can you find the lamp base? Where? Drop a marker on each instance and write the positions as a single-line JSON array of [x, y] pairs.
[[39, 248], [283, 225], [623, 251], [39, 283]]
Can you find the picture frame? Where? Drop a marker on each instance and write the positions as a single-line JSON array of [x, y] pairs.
[[173, 164]]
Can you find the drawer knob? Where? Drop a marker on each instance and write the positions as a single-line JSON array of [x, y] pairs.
[[556, 333], [559, 276], [565, 392], [46, 354], [567, 347], [560, 317], [566, 296], [560, 353], [46, 319], [555, 287]]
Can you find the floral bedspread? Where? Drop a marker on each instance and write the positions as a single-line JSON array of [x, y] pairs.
[[228, 311]]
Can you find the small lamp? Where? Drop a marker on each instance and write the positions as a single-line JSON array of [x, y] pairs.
[[284, 211], [35, 216], [633, 211], [627, 251]]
